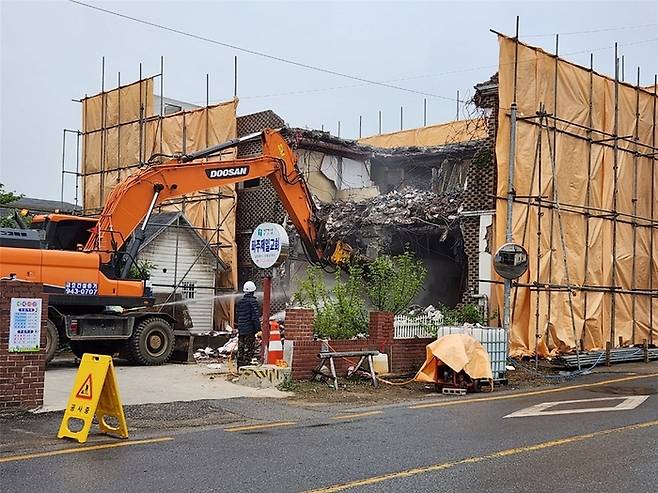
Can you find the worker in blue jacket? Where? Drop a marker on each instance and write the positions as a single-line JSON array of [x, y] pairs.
[[248, 319]]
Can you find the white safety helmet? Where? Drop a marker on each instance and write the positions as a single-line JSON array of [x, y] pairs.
[[249, 287]]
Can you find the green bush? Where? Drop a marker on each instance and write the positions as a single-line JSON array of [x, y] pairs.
[[393, 281], [141, 270], [466, 314], [340, 313]]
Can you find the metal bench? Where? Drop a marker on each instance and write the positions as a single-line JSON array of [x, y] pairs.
[[363, 357]]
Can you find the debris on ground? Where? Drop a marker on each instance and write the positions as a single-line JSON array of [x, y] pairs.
[[407, 206], [221, 352], [433, 315]]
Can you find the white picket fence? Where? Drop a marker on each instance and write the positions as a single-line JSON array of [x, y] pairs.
[[410, 327]]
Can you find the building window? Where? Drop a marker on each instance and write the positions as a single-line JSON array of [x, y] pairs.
[[188, 290]]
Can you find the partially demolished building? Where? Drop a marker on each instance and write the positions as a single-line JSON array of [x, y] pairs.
[[386, 200]]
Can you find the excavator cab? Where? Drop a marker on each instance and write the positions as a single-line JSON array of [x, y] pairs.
[[63, 231]]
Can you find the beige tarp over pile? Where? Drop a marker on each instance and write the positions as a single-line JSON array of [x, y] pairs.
[[433, 135], [632, 267], [459, 352], [111, 154]]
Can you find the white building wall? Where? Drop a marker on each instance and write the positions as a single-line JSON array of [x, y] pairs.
[[162, 252], [485, 262]]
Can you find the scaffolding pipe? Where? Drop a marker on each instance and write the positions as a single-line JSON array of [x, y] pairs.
[[61, 197], [510, 184], [77, 167], [540, 192], [613, 302], [424, 112], [653, 143], [634, 200], [103, 134], [235, 76], [510, 205], [119, 122], [588, 195], [552, 220], [161, 121], [141, 118]]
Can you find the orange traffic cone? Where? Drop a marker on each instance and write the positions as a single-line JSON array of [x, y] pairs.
[[275, 347]]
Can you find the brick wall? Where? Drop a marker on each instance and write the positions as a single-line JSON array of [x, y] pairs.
[[480, 195], [21, 374], [405, 355], [471, 233], [381, 330]]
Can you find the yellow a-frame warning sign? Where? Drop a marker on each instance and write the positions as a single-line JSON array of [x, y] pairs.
[[95, 393]]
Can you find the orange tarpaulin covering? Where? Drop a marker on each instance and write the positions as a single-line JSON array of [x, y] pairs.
[[459, 352], [433, 135], [612, 247]]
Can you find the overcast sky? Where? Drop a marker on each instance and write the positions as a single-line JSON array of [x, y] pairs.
[[51, 53]]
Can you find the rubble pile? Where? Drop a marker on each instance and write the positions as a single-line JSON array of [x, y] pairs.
[[221, 352], [408, 206]]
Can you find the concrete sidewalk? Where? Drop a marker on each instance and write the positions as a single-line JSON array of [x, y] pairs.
[[154, 384]]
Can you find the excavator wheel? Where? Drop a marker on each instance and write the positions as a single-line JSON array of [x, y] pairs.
[[152, 342], [52, 340]]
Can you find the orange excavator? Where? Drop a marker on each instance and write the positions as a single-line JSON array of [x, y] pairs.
[[83, 282]]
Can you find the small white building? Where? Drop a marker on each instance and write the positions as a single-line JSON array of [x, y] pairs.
[[181, 258]]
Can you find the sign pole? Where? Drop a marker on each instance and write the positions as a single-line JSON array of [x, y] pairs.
[[265, 327]]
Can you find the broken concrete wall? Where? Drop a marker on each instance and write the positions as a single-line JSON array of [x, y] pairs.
[[331, 177]]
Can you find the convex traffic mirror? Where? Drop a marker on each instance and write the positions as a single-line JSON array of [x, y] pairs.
[[511, 261]]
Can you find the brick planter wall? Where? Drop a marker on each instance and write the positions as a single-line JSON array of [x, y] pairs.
[[21, 374], [381, 330], [405, 355]]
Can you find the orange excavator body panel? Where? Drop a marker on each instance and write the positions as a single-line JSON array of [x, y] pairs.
[[55, 268]]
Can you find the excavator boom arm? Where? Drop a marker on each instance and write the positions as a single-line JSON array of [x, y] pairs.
[[134, 199]]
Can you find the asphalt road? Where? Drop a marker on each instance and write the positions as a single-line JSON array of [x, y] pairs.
[[461, 444]]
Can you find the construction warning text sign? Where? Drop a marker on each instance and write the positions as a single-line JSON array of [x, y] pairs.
[[95, 393]]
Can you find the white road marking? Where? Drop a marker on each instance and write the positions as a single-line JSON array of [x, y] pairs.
[[626, 404]]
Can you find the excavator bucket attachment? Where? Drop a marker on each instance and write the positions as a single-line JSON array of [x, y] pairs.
[[342, 254]]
